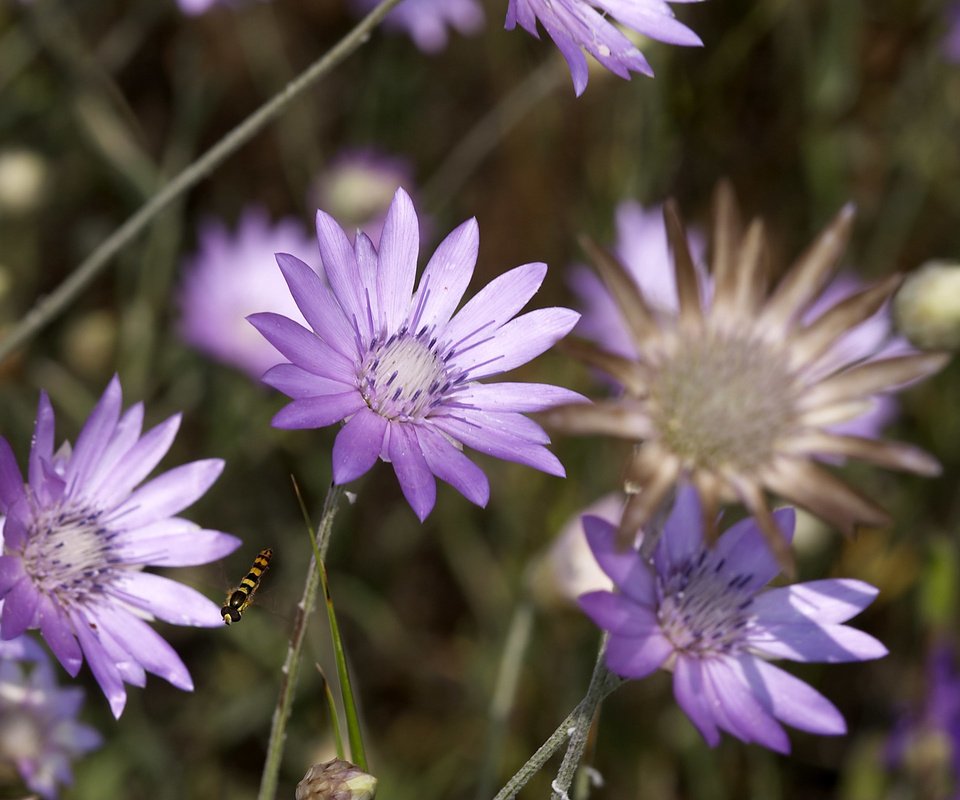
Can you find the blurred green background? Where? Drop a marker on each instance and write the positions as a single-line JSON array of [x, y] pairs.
[[804, 105]]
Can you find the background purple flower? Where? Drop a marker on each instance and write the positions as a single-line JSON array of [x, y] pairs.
[[700, 612], [578, 25], [356, 188], [426, 21], [951, 42], [77, 535], [229, 277], [39, 733], [401, 369]]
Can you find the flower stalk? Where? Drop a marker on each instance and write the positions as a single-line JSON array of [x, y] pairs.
[[291, 665]]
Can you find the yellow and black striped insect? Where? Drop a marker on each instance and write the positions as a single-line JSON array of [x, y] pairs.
[[238, 599]]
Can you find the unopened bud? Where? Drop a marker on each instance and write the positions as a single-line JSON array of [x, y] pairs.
[[336, 780], [927, 307]]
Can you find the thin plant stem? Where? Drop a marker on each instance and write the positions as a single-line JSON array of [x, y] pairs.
[[505, 692], [53, 304], [581, 726], [358, 754], [556, 739], [291, 666]]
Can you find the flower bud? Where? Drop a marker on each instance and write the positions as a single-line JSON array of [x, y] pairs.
[[336, 780], [927, 307]]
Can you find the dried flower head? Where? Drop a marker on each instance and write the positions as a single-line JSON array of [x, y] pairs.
[[336, 780], [737, 392]]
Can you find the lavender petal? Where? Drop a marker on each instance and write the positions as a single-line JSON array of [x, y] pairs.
[[416, 479], [304, 348], [625, 567], [451, 465], [169, 493], [166, 599], [397, 259], [446, 275], [358, 446], [833, 601], [298, 383], [318, 412]]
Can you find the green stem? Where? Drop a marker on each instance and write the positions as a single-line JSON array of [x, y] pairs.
[[57, 301], [581, 726], [585, 709], [291, 666]]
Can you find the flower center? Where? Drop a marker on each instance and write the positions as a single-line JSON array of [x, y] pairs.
[[703, 608], [723, 400], [406, 376], [67, 554]]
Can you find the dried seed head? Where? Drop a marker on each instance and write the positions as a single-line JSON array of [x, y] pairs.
[[336, 780]]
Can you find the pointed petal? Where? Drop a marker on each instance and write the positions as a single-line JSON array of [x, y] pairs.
[[318, 412], [751, 273], [298, 383], [690, 692], [57, 632], [446, 276], [776, 538], [11, 572], [636, 656], [358, 445], [622, 418], [633, 307], [318, 305], [871, 377], [628, 372], [42, 448], [152, 651], [619, 615], [95, 435], [451, 465], [168, 493], [125, 436], [366, 253], [174, 543], [688, 284], [517, 342], [304, 348], [789, 699], [812, 642], [726, 245], [20, 606], [102, 666], [340, 267], [138, 462], [416, 479], [11, 479], [809, 274], [682, 538], [894, 455], [167, 599], [745, 716], [830, 600], [397, 260], [626, 568], [500, 444], [496, 303], [824, 495], [811, 342], [743, 546], [517, 397]]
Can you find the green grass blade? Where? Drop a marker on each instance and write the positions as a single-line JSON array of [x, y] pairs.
[[332, 708], [357, 753]]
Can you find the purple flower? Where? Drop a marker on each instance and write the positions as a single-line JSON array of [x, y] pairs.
[[700, 612], [578, 25], [39, 734], [76, 537], [951, 42], [937, 723], [401, 368], [356, 189], [426, 21], [196, 7], [232, 275]]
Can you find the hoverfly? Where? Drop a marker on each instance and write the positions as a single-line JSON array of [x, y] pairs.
[[239, 598]]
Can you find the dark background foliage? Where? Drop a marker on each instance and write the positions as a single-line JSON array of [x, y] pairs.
[[803, 105]]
